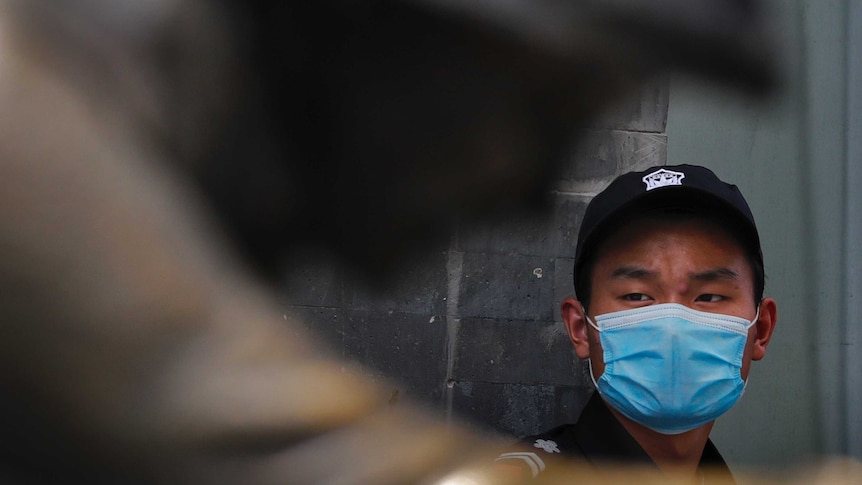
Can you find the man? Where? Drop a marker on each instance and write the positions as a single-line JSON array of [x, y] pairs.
[[669, 273]]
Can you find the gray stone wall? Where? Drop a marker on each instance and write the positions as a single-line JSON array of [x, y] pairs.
[[474, 331]]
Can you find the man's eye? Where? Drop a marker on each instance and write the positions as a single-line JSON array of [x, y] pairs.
[[710, 298], [636, 297]]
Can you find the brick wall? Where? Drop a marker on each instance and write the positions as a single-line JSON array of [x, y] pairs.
[[474, 331]]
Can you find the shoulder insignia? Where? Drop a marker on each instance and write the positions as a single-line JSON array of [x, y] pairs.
[[550, 446]]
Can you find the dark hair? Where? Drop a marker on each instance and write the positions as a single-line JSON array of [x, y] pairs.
[[728, 222]]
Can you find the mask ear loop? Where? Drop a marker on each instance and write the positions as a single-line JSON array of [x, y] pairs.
[[590, 320], [756, 316], [589, 360], [592, 377]]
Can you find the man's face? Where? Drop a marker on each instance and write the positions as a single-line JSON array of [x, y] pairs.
[[690, 261]]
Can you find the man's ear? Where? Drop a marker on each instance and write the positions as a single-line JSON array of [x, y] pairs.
[[764, 327], [576, 326]]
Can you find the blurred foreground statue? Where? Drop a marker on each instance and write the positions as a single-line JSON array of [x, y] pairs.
[[145, 145]]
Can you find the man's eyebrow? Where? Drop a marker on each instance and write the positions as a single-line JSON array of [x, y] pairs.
[[715, 274], [633, 273]]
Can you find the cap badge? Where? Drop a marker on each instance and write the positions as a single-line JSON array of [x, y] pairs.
[[663, 178]]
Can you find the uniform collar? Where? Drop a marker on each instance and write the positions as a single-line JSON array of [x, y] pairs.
[[602, 438]]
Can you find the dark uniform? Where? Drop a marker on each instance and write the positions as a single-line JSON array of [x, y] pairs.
[[597, 438]]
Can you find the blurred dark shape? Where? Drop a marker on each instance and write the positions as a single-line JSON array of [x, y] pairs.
[[399, 117], [134, 347]]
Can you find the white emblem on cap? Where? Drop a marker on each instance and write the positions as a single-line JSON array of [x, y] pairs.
[[663, 178]]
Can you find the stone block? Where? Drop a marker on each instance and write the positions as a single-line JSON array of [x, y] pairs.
[[566, 222], [521, 234], [324, 324], [406, 347], [313, 282], [420, 288], [429, 394], [555, 234], [506, 286], [525, 352], [602, 155], [403, 353], [517, 410], [644, 110], [564, 286]]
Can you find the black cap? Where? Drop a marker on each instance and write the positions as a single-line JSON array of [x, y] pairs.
[[685, 186]]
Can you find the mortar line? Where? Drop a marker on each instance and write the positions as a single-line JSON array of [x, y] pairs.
[[454, 271]]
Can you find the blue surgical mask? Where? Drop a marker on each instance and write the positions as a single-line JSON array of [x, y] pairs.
[[671, 368]]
